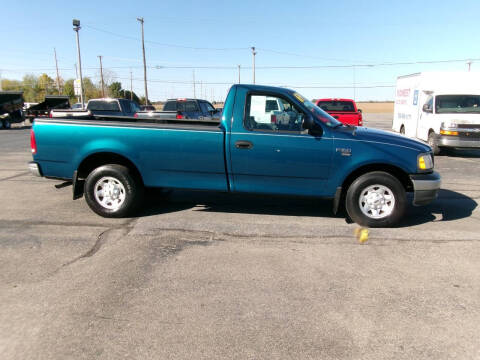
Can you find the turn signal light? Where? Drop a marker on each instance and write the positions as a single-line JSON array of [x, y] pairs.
[[448, 132]]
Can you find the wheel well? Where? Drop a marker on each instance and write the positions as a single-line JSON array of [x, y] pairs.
[[95, 160], [401, 175]]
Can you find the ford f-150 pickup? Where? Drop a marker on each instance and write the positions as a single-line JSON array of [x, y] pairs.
[[302, 152]]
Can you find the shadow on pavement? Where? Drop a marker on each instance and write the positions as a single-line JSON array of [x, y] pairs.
[[239, 204], [464, 153], [450, 204]]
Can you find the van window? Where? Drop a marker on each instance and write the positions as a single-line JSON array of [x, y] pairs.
[[449, 104]]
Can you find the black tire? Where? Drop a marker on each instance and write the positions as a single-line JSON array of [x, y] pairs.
[[402, 130], [432, 141], [376, 181], [7, 124], [126, 195]]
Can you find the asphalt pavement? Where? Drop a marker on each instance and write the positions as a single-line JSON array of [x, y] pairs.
[[216, 276]]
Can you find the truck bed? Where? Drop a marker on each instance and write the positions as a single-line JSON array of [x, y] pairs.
[[175, 154]]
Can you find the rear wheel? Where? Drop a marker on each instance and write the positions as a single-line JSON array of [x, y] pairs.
[[113, 191], [7, 124], [402, 130], [376, 199]]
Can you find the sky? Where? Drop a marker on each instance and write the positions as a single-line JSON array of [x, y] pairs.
[[319, 48]]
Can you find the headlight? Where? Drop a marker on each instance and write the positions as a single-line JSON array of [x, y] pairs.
[[424, 162]]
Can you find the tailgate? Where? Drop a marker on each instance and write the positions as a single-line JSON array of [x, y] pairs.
[[346, 117]]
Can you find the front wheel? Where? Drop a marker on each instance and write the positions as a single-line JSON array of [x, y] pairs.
[[432, 141], [113, 191], [376, 199]]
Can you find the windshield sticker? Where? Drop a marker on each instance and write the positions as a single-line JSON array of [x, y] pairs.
[[299, 97]]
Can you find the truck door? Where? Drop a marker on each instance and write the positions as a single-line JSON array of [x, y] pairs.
[[277, 157]]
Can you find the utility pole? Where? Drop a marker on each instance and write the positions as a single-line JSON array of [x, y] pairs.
[[469, 63], [131, 86], [144, 63], [194, 92], [101, 76], [201, 90], [253, 54], [56, 65], [76, 28], [1, 88], [76, 77], [239, 74]]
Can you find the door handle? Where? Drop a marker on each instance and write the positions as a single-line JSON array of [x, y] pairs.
[[243, 144]]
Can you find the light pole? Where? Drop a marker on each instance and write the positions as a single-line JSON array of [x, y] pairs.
[[253, 54], [101, 76], [76, 28], [239, 74], [144, 63]]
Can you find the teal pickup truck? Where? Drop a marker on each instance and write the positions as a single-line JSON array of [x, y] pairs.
[[300, 150]]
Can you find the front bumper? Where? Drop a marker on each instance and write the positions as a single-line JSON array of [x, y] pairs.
[[34, 168], [458, 141], [425, 187]]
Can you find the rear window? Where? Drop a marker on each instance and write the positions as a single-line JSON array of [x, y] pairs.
[[170, 106], [95, 105], [336, 106]]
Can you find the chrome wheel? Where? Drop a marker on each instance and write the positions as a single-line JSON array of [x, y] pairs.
[[109, 193], [376, 201]]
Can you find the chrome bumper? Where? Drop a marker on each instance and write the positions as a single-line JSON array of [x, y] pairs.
[[34, 168], [425, 187], [455, 141]]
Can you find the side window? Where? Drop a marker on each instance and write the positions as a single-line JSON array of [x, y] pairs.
[[210, 107], [428, 106], [191, 106], [270, 113], [204, 108], [126, 107]]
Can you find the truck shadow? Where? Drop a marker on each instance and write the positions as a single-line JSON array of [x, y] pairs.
[[449, 204]]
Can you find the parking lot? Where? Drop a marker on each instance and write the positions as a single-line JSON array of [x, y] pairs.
[[217, 276]]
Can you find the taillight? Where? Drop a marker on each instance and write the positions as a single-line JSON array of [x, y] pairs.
[[33, 143], [50, 115], [273, 119], [135, 116], [179, 116]]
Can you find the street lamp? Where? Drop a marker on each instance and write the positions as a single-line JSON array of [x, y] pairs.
[[76, 28]]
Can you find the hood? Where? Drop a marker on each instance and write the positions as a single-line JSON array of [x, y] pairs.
[[387, 137]]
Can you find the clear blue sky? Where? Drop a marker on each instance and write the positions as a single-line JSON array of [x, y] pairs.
[[313, 33]]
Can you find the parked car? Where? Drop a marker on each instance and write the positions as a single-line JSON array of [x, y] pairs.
[[442, 108], [50, 103], [193, 109], [105, 108], [11, 104], [367, 170], [344, 110]]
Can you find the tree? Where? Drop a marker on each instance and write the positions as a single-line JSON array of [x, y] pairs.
[[115, 90]]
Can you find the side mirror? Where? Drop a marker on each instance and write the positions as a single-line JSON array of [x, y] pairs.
[[359, 110], [308, 123], [426, 108]]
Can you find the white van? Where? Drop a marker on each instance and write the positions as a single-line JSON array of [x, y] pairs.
[[442, 108]]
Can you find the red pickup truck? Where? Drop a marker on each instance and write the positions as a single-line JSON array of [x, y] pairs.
[[344, 110]]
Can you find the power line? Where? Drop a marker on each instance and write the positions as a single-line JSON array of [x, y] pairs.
[[165, 44]]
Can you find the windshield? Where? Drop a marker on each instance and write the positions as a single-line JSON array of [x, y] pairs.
[[318, 113], [449, 104]]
